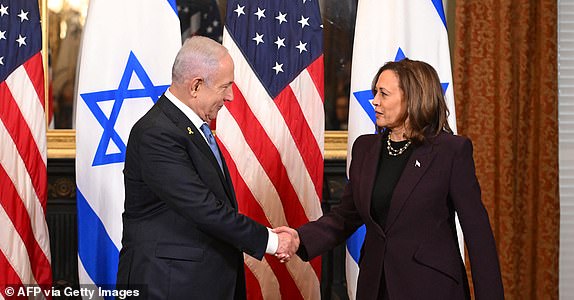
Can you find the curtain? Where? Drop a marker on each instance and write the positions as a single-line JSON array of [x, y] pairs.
[[505, 77]]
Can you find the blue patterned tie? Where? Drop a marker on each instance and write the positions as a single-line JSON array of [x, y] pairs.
[[212, 144]]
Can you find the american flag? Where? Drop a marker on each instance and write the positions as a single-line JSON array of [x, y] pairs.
[[272, 133], [24, 239]]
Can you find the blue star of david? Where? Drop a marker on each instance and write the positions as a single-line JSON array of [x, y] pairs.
[[440, 10], [118, 96], [365, 97]]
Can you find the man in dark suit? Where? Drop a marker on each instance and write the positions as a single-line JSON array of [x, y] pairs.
[[183, 237]]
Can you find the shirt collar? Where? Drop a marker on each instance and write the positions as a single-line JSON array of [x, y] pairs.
[[187, 111]]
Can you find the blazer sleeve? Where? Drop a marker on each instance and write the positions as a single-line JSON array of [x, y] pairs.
[[466, 196], [336, 226], [170, 173]]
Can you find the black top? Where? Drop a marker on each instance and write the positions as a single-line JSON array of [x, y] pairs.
[[388, 173]]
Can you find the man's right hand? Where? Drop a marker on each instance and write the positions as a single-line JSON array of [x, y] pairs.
[[288, 243]]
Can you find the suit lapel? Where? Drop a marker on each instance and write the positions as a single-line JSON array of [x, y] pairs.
[[369, 165], [416, 167], [186, 126], [229, 184]]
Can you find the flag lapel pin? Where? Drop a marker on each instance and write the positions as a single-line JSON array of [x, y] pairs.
[[417, 163]]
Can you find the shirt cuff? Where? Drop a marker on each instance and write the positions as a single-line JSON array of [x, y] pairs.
[[272, 242]]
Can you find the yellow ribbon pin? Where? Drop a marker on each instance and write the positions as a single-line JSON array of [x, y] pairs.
[[189, 130]]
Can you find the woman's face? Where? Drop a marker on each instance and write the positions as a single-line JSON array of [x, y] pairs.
[[389, 103]]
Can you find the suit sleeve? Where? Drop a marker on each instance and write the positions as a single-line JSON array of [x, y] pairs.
[[466, 196], [336, 226], [170, 173]]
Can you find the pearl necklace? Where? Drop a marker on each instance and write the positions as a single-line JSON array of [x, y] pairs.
[[396, 152]]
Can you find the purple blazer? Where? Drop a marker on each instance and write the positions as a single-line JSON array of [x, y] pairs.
[[418, 247]]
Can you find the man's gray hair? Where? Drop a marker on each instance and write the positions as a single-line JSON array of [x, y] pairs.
[[198, 57]]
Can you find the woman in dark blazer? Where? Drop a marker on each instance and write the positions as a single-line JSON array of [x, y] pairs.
[[405, 185]]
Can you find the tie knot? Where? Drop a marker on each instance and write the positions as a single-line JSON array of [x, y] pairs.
[[205, 129]]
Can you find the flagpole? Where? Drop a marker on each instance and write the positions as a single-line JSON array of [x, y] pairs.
[[44, 20]]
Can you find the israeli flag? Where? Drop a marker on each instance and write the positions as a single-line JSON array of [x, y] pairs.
[[126, 55], [390, 30]]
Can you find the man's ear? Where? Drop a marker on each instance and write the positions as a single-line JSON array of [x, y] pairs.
[[194, 85]]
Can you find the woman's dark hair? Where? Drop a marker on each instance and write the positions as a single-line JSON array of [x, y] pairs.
[[426, 111]]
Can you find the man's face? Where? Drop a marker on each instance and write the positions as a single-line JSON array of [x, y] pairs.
[[211, 95]]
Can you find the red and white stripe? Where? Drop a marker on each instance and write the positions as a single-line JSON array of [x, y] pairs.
[[24, 238], [274, 150]]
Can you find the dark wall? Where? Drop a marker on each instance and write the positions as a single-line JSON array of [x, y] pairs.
[[62, 223]]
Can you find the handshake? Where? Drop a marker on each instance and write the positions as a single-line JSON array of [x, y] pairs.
[[288, 243]]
